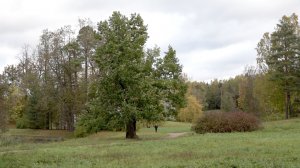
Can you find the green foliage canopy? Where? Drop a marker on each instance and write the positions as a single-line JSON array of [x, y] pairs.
[[135, 84]]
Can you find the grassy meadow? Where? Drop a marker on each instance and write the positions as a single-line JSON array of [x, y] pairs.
[[175, 145]]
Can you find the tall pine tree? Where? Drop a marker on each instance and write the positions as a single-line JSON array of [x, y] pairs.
[[279, 53]]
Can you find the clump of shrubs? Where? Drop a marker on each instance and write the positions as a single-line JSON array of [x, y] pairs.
[[89, 124], [92, 122], [226, 122]]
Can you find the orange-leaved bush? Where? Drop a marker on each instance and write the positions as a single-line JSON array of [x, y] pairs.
[[226, 122]]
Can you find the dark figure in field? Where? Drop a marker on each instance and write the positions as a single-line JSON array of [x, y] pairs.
[[156, 127]]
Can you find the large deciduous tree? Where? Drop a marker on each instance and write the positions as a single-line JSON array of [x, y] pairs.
[[278, 55], [134, 85]]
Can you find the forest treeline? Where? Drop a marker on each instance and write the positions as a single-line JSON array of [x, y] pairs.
[[104, 78], [270, 89]]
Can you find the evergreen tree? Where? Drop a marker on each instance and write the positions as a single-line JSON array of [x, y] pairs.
[[279, 51], [87, 43], [173, 84], [213, 95]]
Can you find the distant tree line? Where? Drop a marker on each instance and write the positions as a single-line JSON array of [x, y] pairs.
[[268, 90]]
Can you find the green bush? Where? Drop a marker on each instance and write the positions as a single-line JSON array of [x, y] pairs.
[[22, 123], [88, 124], [226, 122], [80, 131]]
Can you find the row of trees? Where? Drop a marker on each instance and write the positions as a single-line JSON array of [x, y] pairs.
[[252, 92], [46, 89], [105, 79], [105, 74]]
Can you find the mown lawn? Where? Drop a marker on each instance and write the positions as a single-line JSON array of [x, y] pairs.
[[277, 145]]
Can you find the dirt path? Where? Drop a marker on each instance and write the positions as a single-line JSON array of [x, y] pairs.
[[14, 151], [176, 135]]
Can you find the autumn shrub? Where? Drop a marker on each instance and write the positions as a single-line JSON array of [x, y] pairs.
[[226, 122]]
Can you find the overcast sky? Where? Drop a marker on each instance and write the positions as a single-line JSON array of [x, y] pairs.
[[213, 39]]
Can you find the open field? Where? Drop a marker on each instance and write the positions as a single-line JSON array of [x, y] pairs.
[[277, 145]]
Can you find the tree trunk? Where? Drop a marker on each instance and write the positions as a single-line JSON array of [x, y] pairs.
[[131, 129], [71, 122], [155, 127], [287, 104], [47, 120], [86, 74], [50, 120]]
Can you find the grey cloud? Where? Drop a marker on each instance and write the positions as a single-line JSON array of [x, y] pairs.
[[189, 26]]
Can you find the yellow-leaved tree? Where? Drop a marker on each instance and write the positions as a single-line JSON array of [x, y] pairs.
[[192, 111]]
